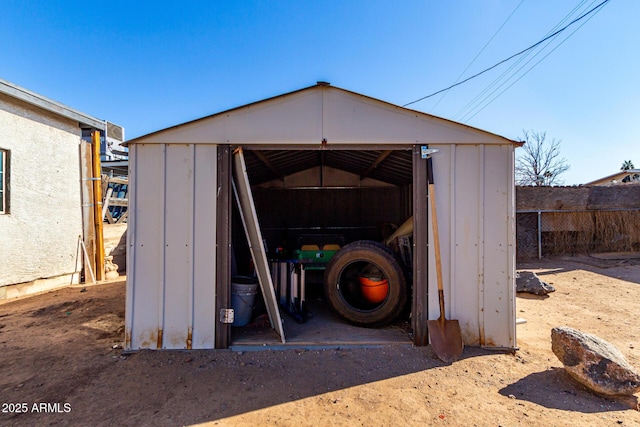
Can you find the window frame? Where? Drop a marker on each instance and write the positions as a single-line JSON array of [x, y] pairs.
[[5, 167]]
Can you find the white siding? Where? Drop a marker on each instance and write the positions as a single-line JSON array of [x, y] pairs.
[[178, 245], [172, 247], [474, 196], [499, 248], [39, 238], [467, 232], [146, 248], [204, 247]]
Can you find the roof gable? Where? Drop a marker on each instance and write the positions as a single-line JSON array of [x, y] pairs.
[[322, 114], [625, 176]]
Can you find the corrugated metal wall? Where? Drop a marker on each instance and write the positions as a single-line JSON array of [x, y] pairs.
[[475, 202], [172, 247]]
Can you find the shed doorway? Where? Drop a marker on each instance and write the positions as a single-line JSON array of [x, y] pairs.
[[310, 204]]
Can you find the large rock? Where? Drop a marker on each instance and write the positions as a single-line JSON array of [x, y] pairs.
[[594, 362], [528, 281]]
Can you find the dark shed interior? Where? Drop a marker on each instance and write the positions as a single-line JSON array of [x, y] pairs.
[[322, 196]]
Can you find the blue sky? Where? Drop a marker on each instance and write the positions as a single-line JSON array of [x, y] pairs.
[[150, 65]]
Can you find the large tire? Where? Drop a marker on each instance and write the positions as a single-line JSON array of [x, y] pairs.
[[342, 287]]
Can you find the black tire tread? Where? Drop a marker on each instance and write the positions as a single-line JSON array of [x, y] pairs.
[[385, 258]]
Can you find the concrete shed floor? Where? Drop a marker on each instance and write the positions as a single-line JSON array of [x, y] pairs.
[[325, 329]]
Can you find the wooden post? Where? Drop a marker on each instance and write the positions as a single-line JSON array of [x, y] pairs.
[[419, 310], [88, 226], [223, 238], [97, 205]]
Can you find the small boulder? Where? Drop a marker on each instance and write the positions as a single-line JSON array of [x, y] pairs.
[[111, 269], [528, 281], [594, 362]]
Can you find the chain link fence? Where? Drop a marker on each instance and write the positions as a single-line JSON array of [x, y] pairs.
[[545, 233]]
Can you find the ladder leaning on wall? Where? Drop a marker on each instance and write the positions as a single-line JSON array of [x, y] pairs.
[[116, 202]]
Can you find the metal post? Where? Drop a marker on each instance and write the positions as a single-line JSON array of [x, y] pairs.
[[539, 235]]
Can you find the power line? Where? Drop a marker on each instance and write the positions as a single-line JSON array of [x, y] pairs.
[[511, 57], [482, 96], [526, 72], [480, 53]]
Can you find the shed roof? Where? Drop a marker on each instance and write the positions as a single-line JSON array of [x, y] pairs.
[[343, 129], [322, 115]]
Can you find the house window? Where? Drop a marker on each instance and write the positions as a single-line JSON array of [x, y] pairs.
[[4, 181]]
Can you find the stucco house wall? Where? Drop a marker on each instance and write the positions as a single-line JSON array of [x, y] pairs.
[[39, 236]]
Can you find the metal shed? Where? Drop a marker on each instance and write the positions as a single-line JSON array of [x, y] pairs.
[[321, 138]]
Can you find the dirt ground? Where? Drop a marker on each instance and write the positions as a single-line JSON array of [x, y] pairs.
[[61, 363]]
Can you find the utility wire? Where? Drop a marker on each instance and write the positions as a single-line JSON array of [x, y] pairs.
[[479, 53], [511, 57], [482, 96], [527, 72], [504, 78]]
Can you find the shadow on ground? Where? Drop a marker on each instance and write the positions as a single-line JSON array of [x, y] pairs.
[[562, 392], [615, 268]]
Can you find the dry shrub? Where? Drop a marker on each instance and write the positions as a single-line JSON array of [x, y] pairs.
[[617, 231], [579, 232], [584, 232]]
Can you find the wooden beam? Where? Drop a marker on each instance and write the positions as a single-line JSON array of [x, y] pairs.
[[97, 204], [375, 164], [105, 205], [88, 219], [122, 217], [109, 217], [223, 240], [116, 201], [419, 307], [268, 164], [114, 180]]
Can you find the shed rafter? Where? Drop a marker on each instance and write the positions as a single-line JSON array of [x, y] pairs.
[[375, 164], [263, 158]]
